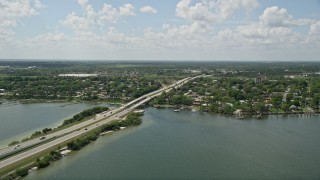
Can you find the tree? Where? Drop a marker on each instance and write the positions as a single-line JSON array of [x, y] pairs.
[[315, 102], [44, 162], [45, 130], [260, 107], [285, 106], [22, 172], [276, 101], [227, 109]]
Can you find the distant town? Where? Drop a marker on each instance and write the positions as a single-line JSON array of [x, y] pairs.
[[237, 88]]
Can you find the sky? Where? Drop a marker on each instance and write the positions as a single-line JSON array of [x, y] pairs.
[[217, 30]]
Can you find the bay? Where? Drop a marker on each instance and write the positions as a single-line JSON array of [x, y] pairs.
[[18, 121], [186, 145]]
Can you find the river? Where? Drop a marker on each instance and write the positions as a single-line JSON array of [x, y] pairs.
[[186, 145], [18, 121]]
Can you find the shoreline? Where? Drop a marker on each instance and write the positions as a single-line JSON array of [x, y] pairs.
[[69, 146], [36, 101], [242, 113], [189, 108]]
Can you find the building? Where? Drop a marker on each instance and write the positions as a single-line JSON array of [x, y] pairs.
[[260, 78]]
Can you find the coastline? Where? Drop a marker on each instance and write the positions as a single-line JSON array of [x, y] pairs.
[[190, 108], [34, 101], [197, 109]]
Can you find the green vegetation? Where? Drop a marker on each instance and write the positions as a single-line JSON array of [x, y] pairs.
[[22, 172], [81, 142], [298, 94], [84, 114], [47, 159], [13, 143], [112, 82], [43, 162], [133, 119]]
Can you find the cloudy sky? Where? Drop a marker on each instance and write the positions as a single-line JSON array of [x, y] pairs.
[[160, 29]]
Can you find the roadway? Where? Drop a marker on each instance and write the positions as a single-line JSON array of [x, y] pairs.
[[81, 128]]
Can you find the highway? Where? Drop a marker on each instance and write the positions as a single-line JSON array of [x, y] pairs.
[[81, 128]]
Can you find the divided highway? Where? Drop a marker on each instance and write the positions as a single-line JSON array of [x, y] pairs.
[[79, 129]]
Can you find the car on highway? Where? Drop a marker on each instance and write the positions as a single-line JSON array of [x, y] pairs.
[[16, 146], [42, 138]]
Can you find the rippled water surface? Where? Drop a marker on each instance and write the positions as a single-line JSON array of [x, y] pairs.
[[186, 145], [18, 121]]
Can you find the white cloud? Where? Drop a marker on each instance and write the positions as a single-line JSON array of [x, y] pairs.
[[177, 37], [50, 37], [83, 3], [315, 29], [108, 13], [37, 4], [46, 41], [212, 10], [117, 38], [126, 10], [92, 18], [275, 16], [77, 23], [148, 9], [199, 12], [200, 34], [83, 26], [314, 34], [257, 35], [13, 10], [274, 34]]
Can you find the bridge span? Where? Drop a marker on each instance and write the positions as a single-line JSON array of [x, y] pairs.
[[35, 146]]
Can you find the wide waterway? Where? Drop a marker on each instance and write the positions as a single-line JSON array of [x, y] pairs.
[[186, 145], [18, 121]]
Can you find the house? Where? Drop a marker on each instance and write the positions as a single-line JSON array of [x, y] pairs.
[[260, 78], [267, 100], [196, 102]]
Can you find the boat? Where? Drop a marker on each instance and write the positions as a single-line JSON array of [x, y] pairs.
[[177, 110]]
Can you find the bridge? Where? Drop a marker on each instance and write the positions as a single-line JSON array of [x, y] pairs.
[[35, 146]]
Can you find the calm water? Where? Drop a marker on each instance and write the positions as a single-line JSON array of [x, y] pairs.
[[188, 145], [21, 120]]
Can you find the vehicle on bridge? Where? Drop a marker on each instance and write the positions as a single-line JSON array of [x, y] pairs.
[[16, 146], [42, 138]]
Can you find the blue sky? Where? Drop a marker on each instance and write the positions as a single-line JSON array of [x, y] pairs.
[[249, 30]]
